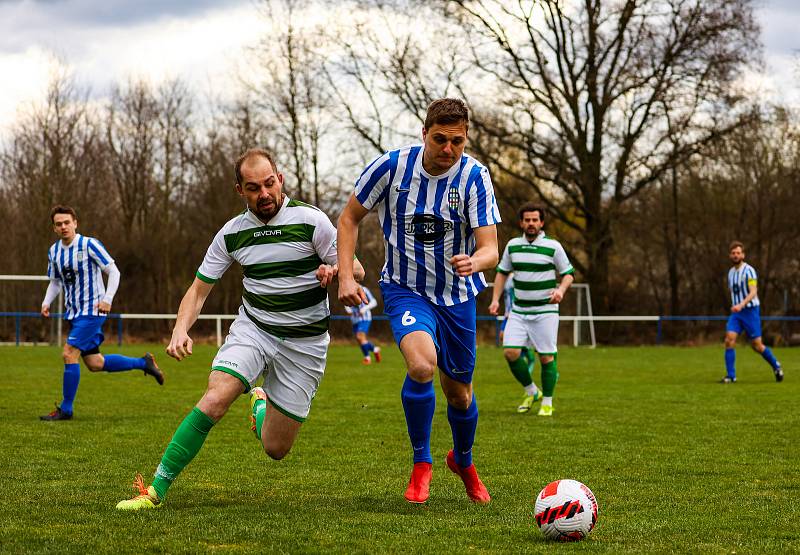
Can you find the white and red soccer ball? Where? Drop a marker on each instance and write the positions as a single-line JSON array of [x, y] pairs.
[[566, 510]]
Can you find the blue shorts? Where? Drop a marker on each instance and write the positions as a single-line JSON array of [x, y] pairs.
[[86, 332], [362, 326], [747, 320], [451, 327]]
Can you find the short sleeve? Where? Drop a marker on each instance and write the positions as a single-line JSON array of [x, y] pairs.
[[372, 183], [561, 261], [482, 205], [325, 240], [505, 266], [216, 261], [99, 254]]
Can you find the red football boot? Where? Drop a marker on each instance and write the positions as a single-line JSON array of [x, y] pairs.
[[419, 485], [476, 491]]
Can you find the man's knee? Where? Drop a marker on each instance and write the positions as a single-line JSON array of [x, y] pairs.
[[730, 341], [421, 369], [758, 345], [70, 355], [459, 398], [512, 354], [93, 365], [215, 403], [276, 450]]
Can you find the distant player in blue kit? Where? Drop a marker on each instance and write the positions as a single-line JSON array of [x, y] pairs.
[[745, 314], [438, 213], [75, 264], [361, 317]]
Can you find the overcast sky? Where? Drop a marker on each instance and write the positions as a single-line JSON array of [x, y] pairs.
[[107, 41]]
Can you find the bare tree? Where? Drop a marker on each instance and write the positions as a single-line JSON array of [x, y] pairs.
[[598, 99], [588, 103], [54, 155], [291, 90]]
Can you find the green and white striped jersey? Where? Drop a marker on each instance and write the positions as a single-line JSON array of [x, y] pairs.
[[281, 293], [536, 265]]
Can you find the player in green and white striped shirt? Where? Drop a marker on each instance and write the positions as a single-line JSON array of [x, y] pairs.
[[537, 262], [287, 250]]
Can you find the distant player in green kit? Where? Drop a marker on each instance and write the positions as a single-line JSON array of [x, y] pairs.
[[537, 261]]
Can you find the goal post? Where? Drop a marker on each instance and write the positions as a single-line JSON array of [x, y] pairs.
[[583, 313], [582, 316]]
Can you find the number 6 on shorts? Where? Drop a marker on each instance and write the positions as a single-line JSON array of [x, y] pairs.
[[407, 318]]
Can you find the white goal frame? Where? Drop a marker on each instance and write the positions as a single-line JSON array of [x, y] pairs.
[[576, 323]]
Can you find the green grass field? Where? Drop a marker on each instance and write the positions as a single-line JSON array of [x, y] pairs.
[[678, 462]]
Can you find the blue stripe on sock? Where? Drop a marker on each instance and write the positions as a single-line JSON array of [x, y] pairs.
[[72, 377], [120, 363], [419, 403], [463, 424], [730, 361], [770, 358]]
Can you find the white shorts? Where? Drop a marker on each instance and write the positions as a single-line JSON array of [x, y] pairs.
[[539, 331], [292, 368]]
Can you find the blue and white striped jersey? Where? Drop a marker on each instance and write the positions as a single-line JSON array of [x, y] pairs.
[[362, 312], [508, 295], [428, 219], [79, 267], [740, 279]]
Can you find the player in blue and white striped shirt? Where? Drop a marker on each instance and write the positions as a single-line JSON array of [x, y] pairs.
[[75, 263], [361, 317], [745, 314], [438, 213]]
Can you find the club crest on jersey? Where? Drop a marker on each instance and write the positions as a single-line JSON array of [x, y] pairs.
[[453, 198], [79, 256]]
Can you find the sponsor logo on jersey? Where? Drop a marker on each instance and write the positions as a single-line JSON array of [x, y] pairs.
[[428, 228], [266, 233]]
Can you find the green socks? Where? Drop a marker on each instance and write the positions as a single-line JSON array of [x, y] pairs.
[[185, 444], [259, 410], [520, 370], [549, 377]]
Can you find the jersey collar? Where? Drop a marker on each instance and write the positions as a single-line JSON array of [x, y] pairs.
[[74, 240], [277, 215], [538, 236]]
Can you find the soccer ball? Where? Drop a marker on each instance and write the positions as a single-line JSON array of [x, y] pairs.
[[566, 510]]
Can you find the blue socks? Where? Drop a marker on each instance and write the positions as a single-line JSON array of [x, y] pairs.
[[119, 363], [367, 348], [419, 402], [72, 377], [463, 424], [730, 359], [770, 358]]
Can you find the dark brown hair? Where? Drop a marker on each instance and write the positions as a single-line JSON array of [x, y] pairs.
[[62, 209], [250, 153], [445, 111], [735, 244], [531, 207]]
